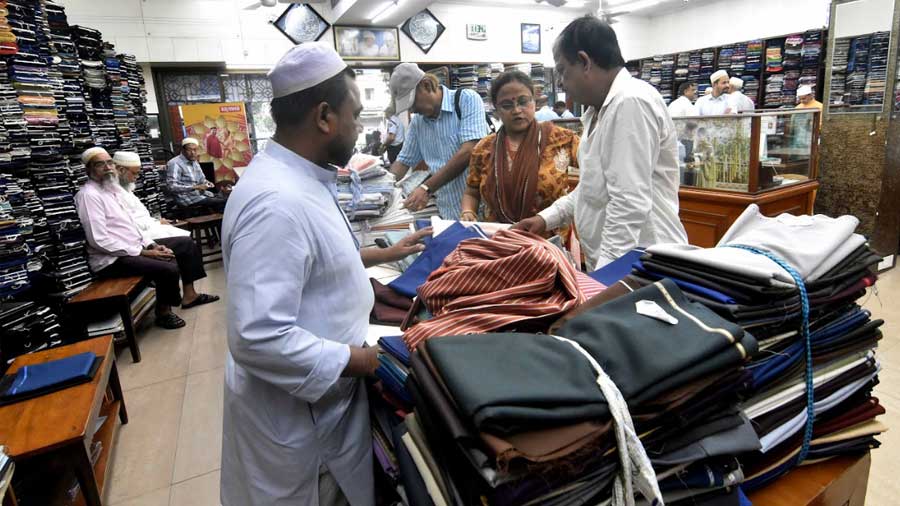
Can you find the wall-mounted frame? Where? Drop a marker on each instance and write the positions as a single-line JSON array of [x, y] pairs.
[[476, 32], [424, 29], [531, 38], [301, 23], [367, 43]]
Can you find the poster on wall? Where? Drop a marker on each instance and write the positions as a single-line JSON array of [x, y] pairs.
[[222, 131], [531, 38]]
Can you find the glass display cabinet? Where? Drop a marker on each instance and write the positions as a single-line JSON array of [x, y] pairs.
[[728, 162]]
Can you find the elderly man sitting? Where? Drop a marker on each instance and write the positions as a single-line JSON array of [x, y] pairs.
[[185, 179], [116, 247], [128, 166]]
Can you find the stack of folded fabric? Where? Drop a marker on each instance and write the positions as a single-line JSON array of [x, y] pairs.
[[774, 58], [857, 69], [724, 61], [365, 188], [682, 68], [656, 71], [839, 64], [812, 49], [118, 96], [707, 61], [14, 249], [667, 74], [8, 40], [773, 90], [647, 69], [876, 79], [26, 327], [751, 289], [789, 88], [557, 420], [754, 62], [793, 51], [694, 63], [738, 59]]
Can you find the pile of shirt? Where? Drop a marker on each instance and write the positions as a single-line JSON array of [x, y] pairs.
[[812, 55], [839, 70], [753, 291], [15, 228], [541, 425], [876, 79], [364, 188], [26, 327]]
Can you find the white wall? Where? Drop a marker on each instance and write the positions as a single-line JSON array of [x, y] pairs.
[[719, 22], [863, 16]]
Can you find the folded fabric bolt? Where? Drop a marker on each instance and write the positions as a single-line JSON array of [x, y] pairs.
[[36, 380]]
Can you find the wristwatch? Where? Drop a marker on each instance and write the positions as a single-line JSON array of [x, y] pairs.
[[426, 188]]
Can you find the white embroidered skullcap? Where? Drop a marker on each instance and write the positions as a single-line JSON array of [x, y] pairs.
[[304, 66], [90, 153], [189, 140], [719, 74], [127, 159]]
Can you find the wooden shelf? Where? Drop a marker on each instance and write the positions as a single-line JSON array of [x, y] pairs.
[[105, 435]]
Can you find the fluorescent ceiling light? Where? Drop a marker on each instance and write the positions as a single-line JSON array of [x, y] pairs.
[[630, 6], [391, 7], [378, 11]]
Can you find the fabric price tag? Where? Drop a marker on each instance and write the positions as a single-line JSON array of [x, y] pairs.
[[652, 310]]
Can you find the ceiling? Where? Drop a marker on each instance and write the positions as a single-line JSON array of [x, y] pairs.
[[361, 12]]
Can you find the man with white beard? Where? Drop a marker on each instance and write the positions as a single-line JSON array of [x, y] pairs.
[[128, 168], [117, 248]]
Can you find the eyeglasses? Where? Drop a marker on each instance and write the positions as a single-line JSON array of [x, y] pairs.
[[108, 163], [523, 102]]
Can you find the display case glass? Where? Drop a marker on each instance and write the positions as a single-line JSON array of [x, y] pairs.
[[748, 153]]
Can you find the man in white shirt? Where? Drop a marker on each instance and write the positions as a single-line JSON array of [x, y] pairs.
[[562, 111], [296, 416], [369, 47], [716, 103], [544, 112], [684, 104], [129, 168], [628, 193], [739, 102], [396, 134]]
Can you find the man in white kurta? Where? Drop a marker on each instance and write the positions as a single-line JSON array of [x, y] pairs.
[[296, 422], [128, 166], [627, 196]]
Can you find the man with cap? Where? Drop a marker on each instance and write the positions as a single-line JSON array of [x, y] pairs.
[[185, 179], [118, 248], [807, 100], [562, 111], [296, 417], [684, 104], [369, 46], [544, 112], [128, 166], [716, 103], [628, 193], [446, 127], [739, 102]]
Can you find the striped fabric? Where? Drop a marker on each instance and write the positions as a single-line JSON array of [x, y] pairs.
[[489, 284], [437, 140]]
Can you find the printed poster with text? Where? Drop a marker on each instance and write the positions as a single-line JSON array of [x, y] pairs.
[[222, 132]]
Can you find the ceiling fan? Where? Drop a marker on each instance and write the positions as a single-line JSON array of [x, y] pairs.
[[555, 3], [272, 3]]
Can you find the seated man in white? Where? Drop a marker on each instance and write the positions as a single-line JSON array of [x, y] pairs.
[[128, 167]]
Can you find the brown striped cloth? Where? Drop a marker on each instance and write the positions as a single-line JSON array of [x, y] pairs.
[[490, 284]]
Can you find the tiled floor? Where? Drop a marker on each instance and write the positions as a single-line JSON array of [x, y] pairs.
[[168, 455]]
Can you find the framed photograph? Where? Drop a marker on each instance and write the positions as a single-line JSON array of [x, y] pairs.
[[301, 23], [476, 32], [367, 43], [531, 38], [424, 29]]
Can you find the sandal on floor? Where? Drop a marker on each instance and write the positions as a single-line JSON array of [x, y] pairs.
[[170, 321], [201, 299]]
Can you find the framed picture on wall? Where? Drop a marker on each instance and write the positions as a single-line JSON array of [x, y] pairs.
[[301, 23], [424, 29], [367, 43], [531, 38]]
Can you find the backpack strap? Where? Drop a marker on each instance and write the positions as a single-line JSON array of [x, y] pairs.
[[457, 95]]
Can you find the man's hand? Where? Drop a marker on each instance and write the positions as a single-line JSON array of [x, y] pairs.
[[200, 187], [158, 254], [407, 246], [535, 225], [363, 362], [417, 200], [163, 221]]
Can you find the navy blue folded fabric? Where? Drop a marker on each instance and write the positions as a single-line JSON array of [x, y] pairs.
[[34, 380], [616, 270], [395, 346], [393, 379], [684, 285], [432, 258]]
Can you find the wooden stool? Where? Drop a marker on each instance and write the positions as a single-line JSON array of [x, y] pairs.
[[115, 293], [209, 228]]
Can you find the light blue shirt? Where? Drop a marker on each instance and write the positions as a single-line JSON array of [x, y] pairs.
[[545, 114], [437, 140], [567, 114], [298, 297], [182, 175]]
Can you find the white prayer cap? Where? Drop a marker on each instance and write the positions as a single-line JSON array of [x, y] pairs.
[[404, 80], [127, 159], [719, 74], [304, 66], [367, 34], [708, 91], [736, 83], [804, 90], [90, 153], [189, 140]]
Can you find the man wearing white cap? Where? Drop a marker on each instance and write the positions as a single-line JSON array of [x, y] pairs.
[[128, 166], [185, 179], [369, 46], [739, 102], [296, 420], [717, 102], [447, 126], [118, 248], [807, 100]]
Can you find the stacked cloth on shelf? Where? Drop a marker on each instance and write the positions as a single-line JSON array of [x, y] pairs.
[[755, 292]]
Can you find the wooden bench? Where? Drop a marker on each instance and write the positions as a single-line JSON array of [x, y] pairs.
[[115, 293], [206, 228]]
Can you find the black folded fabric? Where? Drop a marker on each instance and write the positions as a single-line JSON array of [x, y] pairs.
[[547, 382]]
